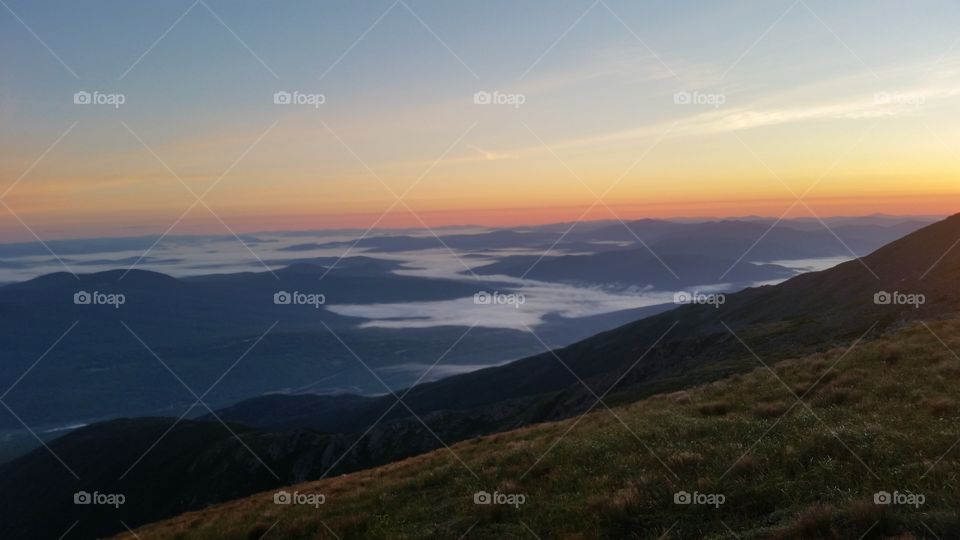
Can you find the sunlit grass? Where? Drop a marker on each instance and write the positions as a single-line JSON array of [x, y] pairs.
[[879, 420]]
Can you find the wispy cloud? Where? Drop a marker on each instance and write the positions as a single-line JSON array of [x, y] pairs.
[[487, 155]]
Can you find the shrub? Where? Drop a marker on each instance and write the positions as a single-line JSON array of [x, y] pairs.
[[771, 409], [939, 406], [714, 408]]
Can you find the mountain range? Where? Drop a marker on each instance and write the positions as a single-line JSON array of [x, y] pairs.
[[105, 362], [279, 440]]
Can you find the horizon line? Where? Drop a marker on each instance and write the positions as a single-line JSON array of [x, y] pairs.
[[426, 230]]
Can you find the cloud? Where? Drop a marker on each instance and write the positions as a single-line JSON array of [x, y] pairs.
[[540, 300], [881, 101], [487, 155], [883, 104]]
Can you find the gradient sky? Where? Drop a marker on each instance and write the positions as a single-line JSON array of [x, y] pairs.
[[853, 105]]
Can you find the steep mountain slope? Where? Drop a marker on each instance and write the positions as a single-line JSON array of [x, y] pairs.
[[805, 313], [881, 417], [688, 345]]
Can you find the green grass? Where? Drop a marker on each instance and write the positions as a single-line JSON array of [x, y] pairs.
[[881, 419]]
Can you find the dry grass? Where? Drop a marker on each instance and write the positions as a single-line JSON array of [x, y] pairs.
[[714, 408], [814, 522], [890, 410], [774, 409], [939, 406]]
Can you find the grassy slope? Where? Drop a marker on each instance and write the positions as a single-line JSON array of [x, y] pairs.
[[893, 404]]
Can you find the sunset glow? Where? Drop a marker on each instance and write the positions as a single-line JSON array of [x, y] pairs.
[[661, 120]]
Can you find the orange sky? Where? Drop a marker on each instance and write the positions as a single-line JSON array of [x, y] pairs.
[[697, 120]]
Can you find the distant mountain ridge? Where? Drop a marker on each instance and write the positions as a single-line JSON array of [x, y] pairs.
[[197, 323], [213, 317]]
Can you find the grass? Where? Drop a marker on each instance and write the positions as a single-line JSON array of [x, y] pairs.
[[879, 419]]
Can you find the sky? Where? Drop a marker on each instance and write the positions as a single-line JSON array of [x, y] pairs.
[[430, 113]]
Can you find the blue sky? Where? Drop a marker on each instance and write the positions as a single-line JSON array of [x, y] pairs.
[[598, 78]]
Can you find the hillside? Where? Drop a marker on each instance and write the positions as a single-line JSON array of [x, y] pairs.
[[200, 325], [883, 417], [801, 315], [303, 439]]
